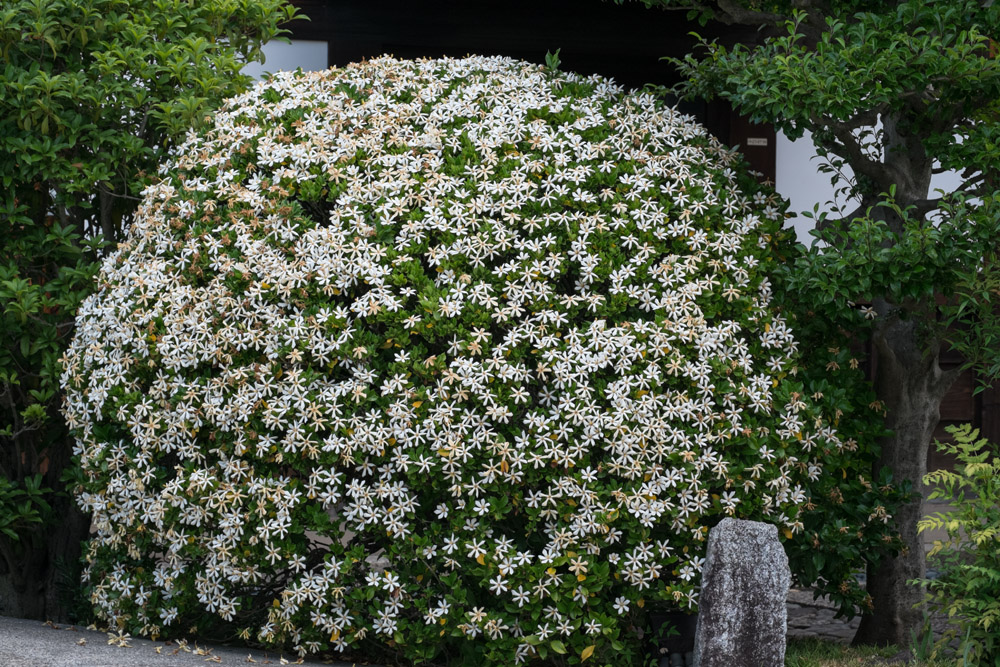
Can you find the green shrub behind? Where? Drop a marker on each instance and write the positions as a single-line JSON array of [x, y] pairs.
[[968, 586]]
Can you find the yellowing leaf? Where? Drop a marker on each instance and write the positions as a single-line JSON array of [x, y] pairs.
[[587, 652], [481, 559], [641, 602], [787, 533]]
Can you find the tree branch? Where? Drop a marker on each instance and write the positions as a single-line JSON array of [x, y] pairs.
[[844, 222], [105, 204], [944, 379], [732, 12], [864, 117], [879, 172], [972, 187]]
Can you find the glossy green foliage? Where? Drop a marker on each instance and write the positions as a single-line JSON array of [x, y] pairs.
[[25, 505], [94, 91], [92, 95]]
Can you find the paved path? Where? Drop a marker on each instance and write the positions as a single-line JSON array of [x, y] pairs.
[[815, 618], [33, 644], [26, 643]]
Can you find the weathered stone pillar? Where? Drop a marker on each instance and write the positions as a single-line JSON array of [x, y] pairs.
[[742, 616]]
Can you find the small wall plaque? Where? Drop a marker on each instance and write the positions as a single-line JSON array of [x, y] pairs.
[[756, 141]]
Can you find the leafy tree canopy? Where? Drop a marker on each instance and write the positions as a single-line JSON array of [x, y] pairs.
[[92, 95], [892, 92]]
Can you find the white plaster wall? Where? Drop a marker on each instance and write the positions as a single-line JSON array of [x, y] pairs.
[[798, 179], [309, 55]]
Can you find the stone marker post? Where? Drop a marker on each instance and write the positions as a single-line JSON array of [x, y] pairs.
[[742, 617]]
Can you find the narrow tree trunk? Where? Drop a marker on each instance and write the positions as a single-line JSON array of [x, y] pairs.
[[20, 590], [63, 542], [106, 204], [911, 384]]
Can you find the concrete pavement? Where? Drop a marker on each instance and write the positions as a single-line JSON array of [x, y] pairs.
[[26, 643]]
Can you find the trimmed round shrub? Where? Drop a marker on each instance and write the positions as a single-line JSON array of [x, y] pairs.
[[456, 358]]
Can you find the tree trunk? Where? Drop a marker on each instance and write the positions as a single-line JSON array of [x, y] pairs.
[[105, 208], [911, 385]]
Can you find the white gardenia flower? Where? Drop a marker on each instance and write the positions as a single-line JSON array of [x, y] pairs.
[[383, 330]]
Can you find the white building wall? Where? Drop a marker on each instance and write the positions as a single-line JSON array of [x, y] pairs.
[[798, 179], [309, 55]]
